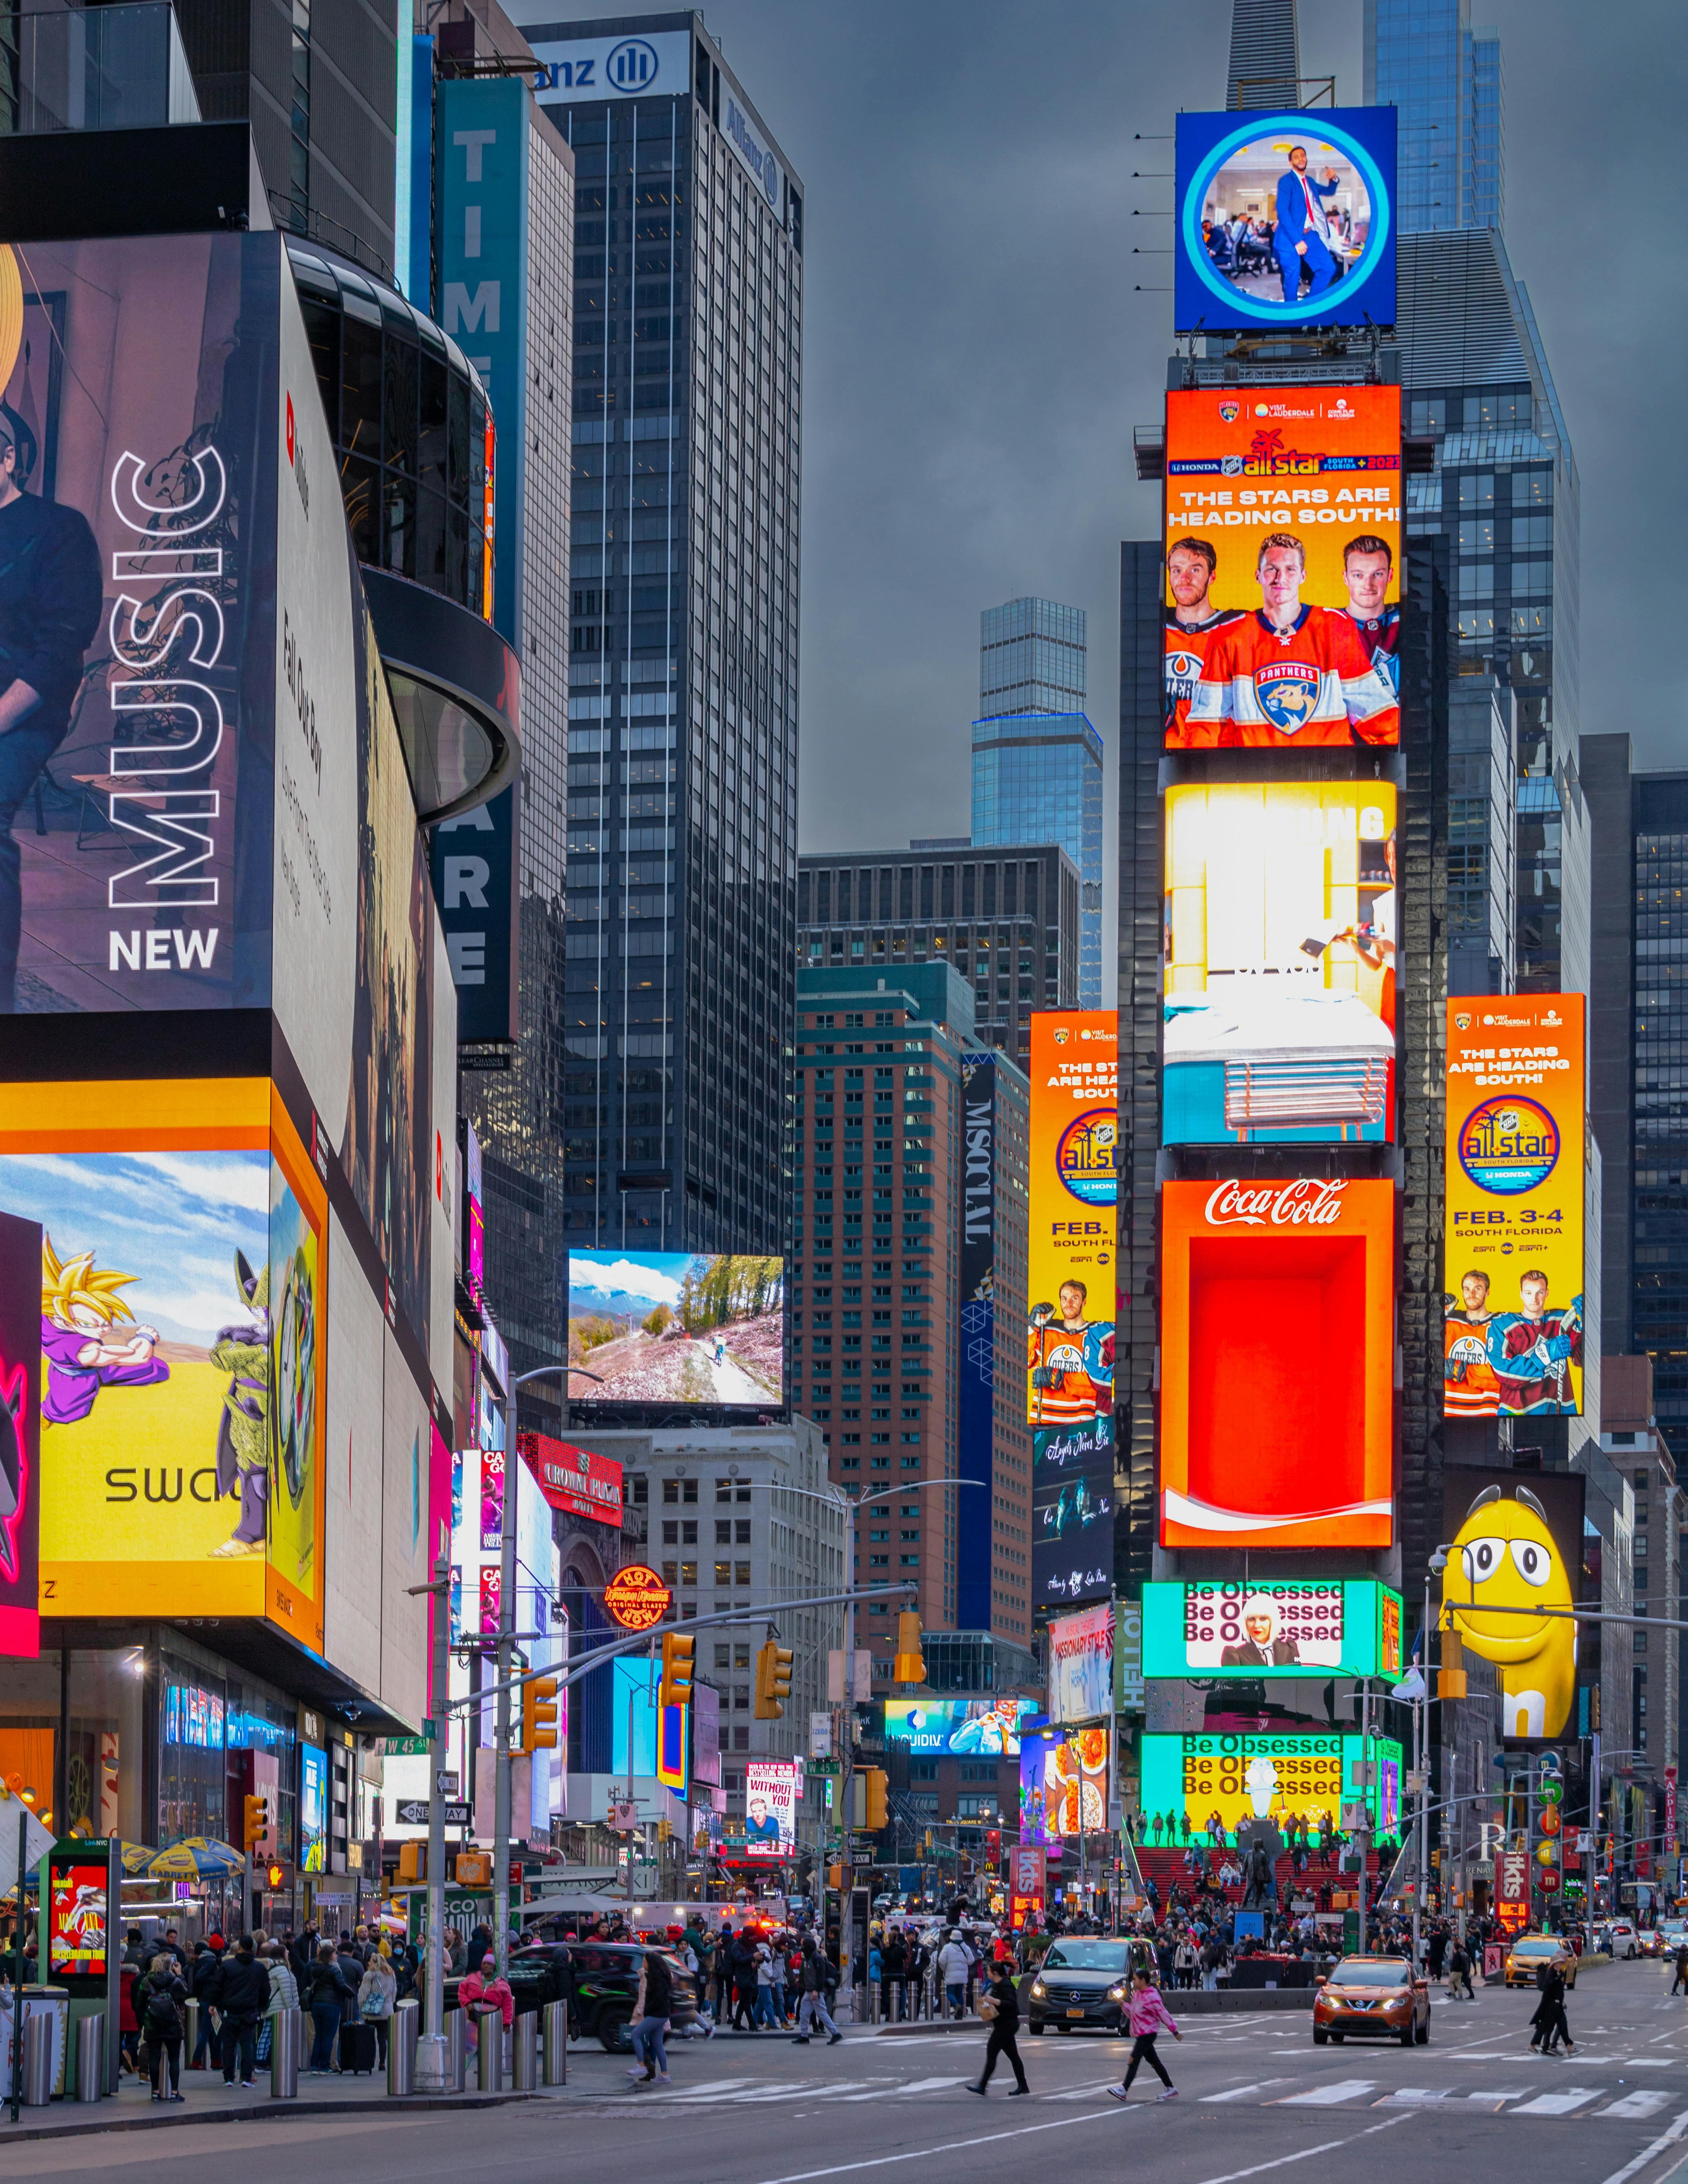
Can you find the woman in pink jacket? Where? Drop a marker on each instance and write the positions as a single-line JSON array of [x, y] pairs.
[[1149, 2016]]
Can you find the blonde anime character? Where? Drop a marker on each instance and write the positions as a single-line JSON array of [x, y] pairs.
[[90, 1339]]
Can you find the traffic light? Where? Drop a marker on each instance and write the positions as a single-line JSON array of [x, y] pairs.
[[413, 1861], [257, 1824], [1451, 1682], [474, 1870], [909, 1667], [678, 1651], [274, 1875], [773, 1681], [538, 1713], [875, 1782]]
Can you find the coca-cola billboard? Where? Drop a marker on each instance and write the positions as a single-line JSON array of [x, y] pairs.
[[1277, 1362]]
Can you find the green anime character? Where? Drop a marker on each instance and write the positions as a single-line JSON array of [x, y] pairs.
[[243, 1351]]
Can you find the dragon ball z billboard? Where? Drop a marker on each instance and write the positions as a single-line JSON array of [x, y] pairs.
[[183, 1390]]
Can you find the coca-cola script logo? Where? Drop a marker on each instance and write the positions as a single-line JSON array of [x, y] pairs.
[[1311, 1203]]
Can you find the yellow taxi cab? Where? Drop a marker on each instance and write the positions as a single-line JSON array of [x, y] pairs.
[[1530, 1952], [1374, 1998]]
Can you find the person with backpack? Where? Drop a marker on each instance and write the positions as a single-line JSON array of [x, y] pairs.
[[245, 1996], [819, 1979], [377, 1993], [651, 2006], [161, 2009]]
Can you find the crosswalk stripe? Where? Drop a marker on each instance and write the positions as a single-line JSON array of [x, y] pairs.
[[1241, 2092], [1637, 2104], [1574, 2097], [1326, 2097]]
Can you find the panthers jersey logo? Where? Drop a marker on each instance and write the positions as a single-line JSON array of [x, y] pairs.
[[1288, 691]]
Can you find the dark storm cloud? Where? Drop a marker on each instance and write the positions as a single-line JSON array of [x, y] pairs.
[[978, 354]]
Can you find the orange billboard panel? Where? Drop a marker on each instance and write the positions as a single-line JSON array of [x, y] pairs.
[[1276, 1363]]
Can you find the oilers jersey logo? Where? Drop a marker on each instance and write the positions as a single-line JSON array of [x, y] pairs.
[[1183, 672], [1288, 691], [1463, 1352]]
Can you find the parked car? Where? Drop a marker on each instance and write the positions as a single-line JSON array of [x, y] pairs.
[[600, 1982], [1083, 1983], [1374, 1998], [1530, 1952]]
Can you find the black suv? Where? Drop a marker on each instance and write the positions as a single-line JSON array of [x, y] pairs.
[[1084, 1981], [598, 1980]]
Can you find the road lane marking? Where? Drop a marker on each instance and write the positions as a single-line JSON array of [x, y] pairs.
[[1574, 2097], [1232, 2176], [1666, 2138], [1637, 2104], [1242, 2093], [1414, 2096], [962, 2145], [1326, 2097]]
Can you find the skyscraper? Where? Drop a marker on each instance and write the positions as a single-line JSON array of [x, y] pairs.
[[1423, 57], [1265, 55], [1037, 761], [682, 688]]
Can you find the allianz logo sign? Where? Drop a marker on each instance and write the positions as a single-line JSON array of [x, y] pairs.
[[762, 164], [630, 66]]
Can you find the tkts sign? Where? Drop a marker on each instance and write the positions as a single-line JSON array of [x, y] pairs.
[[1512, 1887]]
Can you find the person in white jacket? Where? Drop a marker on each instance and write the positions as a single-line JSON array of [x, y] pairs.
[[953, 1963]]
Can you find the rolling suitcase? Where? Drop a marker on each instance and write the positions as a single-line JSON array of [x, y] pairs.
[[357, 2048]]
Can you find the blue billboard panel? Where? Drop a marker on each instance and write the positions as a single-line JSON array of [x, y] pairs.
[[968, 1729], [1284, 219]]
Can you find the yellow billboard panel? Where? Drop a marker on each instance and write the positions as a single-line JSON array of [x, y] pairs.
[[1070, 1272], [1512, 1266], [184, 1359]]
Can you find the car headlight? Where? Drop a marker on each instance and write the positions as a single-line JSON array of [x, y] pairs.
[[1037, 1990], [1115, 1994]]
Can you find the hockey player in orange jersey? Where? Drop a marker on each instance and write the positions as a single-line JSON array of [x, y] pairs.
[[1290, 675]]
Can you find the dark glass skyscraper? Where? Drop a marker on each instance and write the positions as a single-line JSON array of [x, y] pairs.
[[682, 688]]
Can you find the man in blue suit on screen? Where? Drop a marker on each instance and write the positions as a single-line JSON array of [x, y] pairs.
[[1302, 235]]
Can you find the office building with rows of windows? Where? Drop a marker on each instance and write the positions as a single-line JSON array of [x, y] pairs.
[[682, 688], [1008, 922]]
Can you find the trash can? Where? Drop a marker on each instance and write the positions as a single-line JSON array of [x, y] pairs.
[[525, 2053], [37, 2059], [91, 2056], [456, 2049], [286, 2040], [556, 2035], [401, 2049], [489, 2053]]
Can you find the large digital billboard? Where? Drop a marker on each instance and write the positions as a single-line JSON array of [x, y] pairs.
[[183, 1387], [1281, 914], [1283, 545], [1284, 219], [19, 1437], [1064, 1784], [976, 1363], [675, 1327], [1263, 1628], [1512, 1236], [771, 1808], [1276, 1363], [1081, 1664], [1307, 1777], [966, 1729], [1516, 1542], [1070, 1275]]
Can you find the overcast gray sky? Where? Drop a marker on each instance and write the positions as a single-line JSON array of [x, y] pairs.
[[979, 350]]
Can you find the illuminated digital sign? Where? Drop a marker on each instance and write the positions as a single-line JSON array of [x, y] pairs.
[[1307, 1777], [1272, 1627]]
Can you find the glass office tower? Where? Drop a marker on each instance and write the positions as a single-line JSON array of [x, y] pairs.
[[1423, 57], [1037, 761], [682, 687]]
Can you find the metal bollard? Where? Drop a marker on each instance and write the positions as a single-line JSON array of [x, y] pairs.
[[91, 2056], [190, 2038], [489, 2053], [556, 2037], [402, 2034], [456, 2050], [286, 2037], [38, 2060], [525, 2053]]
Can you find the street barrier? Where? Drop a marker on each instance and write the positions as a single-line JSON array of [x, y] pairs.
[[91, 2056], [525, 2053], [556, 2023], [286, 2038]]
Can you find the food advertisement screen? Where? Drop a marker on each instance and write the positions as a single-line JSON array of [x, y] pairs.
[[1264, 1628], [1275, 1777], [1281, 912], [677, 1327], [1513, 1280], [1071, 1277], [1064, 1782], [1284, 219], [1283, 547], [1276, 1363]]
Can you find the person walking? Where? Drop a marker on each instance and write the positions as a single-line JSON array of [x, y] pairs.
[[160, 2009], [284, 1994], [1549, 2015], [205, 1984], [1680, 1959], [325, 1996], [953, 1965], [766, 1974], [651, 2006], [999, 2005], [1459, 1971], [1149, 2018], [819, 1977], [245, 1993], [377, 1994]]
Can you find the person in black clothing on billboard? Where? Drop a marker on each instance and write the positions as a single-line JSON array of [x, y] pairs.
[[51, 597]]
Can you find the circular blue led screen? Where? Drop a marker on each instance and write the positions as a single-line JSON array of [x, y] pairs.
[[1282, 217]]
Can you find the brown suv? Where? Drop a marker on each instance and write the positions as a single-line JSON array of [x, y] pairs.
[[1374, 1998]]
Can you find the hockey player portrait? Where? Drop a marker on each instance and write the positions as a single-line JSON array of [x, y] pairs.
[[1368, 564], [1291, 674], [1469, 1388], [1071, 1361], [1192, 563], [1532, 1350]]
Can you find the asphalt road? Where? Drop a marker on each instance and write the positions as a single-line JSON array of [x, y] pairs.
[[1255, 2097]]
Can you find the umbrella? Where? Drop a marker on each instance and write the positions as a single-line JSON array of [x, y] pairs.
[[197, 1858], [137, 1857]]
